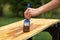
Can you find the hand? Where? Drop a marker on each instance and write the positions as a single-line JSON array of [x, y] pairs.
[[31, 12]]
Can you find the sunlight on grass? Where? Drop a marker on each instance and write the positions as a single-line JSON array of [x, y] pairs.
[[42, 36], [5, 21]]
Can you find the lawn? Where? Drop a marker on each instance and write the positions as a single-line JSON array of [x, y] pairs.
[[40, 36]]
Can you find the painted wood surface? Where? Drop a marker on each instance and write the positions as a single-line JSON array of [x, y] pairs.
[[14, 31]]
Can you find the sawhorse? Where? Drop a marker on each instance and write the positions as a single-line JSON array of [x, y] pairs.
[[54, 31]]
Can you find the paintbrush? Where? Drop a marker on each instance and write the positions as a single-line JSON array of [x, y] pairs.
[[26, 25]]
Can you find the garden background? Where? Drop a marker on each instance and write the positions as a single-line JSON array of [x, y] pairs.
[[13, 10]]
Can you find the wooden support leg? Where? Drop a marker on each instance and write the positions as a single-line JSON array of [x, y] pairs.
[[30, 38], [54, 31], [55, 35]]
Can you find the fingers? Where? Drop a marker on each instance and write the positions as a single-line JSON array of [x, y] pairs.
[[27, 14]]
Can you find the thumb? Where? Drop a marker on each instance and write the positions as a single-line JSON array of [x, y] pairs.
[[28, 13]]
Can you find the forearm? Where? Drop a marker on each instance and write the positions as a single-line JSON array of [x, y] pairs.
[[49, 6]]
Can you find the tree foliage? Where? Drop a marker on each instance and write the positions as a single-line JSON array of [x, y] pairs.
[[17, 7]]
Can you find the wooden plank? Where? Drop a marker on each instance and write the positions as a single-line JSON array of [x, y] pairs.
[[14, 31]]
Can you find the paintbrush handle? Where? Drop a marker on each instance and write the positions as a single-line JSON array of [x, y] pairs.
[[28, 5]]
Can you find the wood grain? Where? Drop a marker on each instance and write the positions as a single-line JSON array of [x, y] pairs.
[[14, 31]]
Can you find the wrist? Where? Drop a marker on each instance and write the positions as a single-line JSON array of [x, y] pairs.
[[39, 10]]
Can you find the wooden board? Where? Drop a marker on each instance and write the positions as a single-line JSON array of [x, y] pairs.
[[14, 31]]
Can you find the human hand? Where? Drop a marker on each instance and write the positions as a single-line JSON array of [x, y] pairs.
[[31, 12]]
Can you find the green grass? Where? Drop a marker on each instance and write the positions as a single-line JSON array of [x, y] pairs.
[[40, 36], [6, 20]]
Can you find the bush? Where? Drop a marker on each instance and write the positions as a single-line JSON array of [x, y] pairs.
[[7, 10], [17, 7]]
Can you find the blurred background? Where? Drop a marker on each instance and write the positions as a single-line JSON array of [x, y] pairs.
[[13, 10]]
